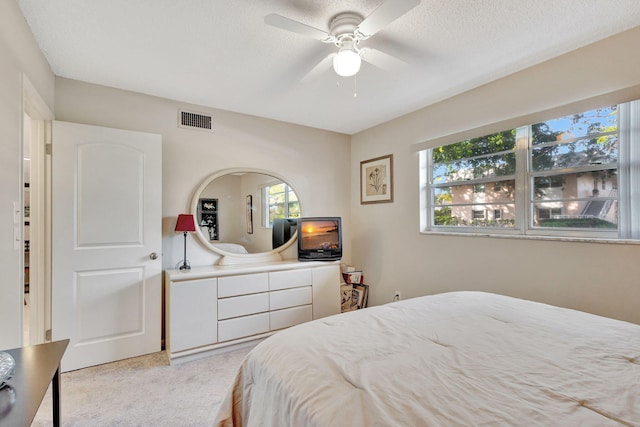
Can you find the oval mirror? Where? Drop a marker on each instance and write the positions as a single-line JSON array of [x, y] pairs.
[[237, 210]]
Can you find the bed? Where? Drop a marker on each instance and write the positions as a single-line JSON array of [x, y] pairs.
[[452, 359]]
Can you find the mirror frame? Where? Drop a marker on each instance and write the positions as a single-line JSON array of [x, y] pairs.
[[231, 258]]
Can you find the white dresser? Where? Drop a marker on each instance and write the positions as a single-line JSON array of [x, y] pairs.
[[209, 309]]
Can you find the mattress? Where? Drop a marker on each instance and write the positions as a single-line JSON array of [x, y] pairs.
[[452, 359]]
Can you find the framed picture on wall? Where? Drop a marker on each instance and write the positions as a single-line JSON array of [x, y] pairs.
[[249, 214], [376, 180]]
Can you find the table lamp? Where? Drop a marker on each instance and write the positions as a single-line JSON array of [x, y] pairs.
[[185, 224]]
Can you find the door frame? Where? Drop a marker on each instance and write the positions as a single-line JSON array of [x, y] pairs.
[[38, 116]]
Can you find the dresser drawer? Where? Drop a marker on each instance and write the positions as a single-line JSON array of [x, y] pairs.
[[243, 326], [289, 279], [241, 285], [290, 298], [243, 305], [280, 319]]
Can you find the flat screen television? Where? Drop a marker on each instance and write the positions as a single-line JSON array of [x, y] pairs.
[[319, 238]]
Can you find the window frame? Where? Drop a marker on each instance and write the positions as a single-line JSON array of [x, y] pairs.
[[266, 206], [628, 201]]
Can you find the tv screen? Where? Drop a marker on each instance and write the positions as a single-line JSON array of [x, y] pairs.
[[319, 238]]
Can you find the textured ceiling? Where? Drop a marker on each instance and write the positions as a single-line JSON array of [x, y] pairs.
[[219, 53]]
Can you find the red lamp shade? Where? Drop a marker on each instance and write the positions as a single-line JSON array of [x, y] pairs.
[[185, 224]]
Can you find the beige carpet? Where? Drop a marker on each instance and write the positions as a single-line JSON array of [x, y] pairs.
[[144, 391]]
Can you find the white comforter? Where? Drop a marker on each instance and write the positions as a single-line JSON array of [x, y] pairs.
[[454, 359]]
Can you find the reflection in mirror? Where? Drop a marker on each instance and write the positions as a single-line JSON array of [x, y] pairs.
[[208, 217], [236, 212], [283, 229]]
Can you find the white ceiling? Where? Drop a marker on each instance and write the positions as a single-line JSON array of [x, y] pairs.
[[219, 53]]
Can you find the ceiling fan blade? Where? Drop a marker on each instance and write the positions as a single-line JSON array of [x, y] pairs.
[[382, 60], [386, 13], [321, 67], [288, 24]]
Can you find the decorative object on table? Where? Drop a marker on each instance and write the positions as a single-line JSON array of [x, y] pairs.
[[360, 295], [354, 293], [208, 216], [353, 277], [353, 296], [7, 399], [7, 393], [376, 180], [185, 224], [7, 368], [249, 214], [346, 298]]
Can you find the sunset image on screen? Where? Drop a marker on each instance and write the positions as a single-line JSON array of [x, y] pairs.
[[320, 234]]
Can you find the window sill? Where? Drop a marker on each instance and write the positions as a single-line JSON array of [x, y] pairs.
[[530, 237]]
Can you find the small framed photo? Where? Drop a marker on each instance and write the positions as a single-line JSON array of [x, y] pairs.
[[376, 180], [346, 298], [360, 295]]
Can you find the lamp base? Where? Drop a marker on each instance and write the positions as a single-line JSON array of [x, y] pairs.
[[185, 264]]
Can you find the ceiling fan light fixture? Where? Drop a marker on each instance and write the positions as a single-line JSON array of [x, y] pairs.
[[347, 62], [346, 30]]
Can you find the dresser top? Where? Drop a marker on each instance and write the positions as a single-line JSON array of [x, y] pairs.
[[231, 270]]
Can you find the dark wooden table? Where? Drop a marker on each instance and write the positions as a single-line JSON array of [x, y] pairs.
[[37, 366]]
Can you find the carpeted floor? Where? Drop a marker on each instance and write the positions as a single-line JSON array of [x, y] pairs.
[[144, 391]]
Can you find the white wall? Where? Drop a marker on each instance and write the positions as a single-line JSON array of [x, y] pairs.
[[18, 54], [386, 241], [314, 162]]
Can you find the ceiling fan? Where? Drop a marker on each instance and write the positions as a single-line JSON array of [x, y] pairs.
[[346, 31]]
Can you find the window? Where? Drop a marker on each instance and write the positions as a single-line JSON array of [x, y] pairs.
[[551, 213], [568, 176], [459, 176], [478, 188], [278, 201], [478, 214]]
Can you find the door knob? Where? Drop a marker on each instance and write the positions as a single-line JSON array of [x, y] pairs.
[[153, 255]]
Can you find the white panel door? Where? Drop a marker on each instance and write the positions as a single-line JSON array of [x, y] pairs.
[[106, 243]]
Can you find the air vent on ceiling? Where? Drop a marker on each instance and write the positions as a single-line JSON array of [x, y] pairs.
[[191, 120]]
